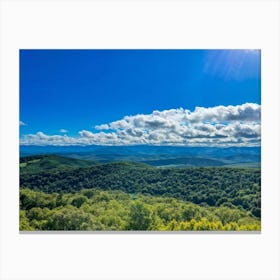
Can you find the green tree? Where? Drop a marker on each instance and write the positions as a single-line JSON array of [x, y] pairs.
[[69, 218], [24, 222], [140, 216], [79, 201]]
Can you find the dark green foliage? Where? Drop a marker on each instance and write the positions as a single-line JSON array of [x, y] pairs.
[[213, 186], [79, 201], [186, 161]]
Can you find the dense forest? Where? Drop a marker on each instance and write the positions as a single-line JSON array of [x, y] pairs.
[[94, 209], [58, 193]]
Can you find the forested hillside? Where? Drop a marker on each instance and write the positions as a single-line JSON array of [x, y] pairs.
[[39, 163], [93, 209], [70, 189]]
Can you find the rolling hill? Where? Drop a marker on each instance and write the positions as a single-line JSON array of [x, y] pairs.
[[49, 162], [213, 186]]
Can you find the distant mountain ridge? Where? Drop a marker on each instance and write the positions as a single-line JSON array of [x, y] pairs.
[[154, 155], [32, 149]]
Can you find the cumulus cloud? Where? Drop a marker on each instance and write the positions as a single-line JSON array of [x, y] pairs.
[[217, 126], [41, 138], [102, 127], [63, 130], [244, 112], [21, 123]]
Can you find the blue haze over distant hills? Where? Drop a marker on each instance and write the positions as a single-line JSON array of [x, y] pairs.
[[156, 155]]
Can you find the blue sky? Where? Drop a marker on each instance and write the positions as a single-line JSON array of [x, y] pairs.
[[77, 90]]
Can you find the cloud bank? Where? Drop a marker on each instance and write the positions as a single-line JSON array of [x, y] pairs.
[[216, 126]]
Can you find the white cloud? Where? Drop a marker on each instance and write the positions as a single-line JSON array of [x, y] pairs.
[[63, 130], [102, 127], [41, 138], [244, 112], [217, 126], [21, 123], [86, 134]]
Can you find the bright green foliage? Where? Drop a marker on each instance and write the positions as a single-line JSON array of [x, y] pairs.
[[140, 216], [23, 221], [205, 224], [69, 218], [227, 215], [93, 209], [30, 199]]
